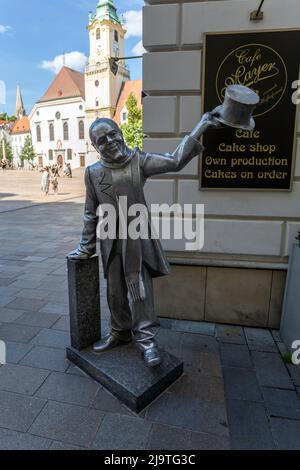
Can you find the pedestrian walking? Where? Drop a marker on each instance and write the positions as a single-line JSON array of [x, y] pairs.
[[54, 183], [45, 183]]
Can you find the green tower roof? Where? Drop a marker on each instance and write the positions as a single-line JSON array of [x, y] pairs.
[[106, 10]]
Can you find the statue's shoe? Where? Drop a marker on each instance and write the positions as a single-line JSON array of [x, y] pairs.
[[152, 357], [108, 343]]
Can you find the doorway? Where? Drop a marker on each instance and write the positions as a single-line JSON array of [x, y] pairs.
[[82, 161], [60, 161]]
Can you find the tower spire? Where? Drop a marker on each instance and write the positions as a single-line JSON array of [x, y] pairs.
[[20, 110]]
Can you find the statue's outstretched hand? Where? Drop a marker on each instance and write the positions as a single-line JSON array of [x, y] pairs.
[[210, 119]]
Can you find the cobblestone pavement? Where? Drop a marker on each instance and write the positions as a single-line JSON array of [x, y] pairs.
[[236, 392], [21, 188]]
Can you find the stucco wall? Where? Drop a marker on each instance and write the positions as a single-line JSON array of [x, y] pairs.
[[249, 226]]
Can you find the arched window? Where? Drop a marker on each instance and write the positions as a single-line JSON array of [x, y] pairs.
[[38, 133], [69, 154], [50, 154], [116, 36], [51, 132], [66, 131], [81, 130], [97, 103], [98, 34]]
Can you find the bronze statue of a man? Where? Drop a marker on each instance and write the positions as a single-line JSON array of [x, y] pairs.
[[129, 265]]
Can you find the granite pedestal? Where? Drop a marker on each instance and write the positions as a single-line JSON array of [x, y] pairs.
[[122, 370]]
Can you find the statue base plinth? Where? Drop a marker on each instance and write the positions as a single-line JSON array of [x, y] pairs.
[[123, 372]]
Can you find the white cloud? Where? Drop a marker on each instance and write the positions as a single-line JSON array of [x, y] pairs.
[[133, 23], [75, 60], [138, 49], [4, 29]]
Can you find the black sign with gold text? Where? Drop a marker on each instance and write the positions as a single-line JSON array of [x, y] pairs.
[[268, 63]]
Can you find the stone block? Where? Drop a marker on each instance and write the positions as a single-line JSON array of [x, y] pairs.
[[71, 424], [276, 302], [271, 371], [282, 403], [21, 379], [238, 296], [123, 372], [37, 319], [159, 114], [84, 302], [249, 426], [161, 71], [119, 432], [241, 384], [19, 411], [242, 237], [68, 388], [160, 192], [46, 358], [12, 440], [160, 25], [171, 292], [235, 355], [260, 340], [244, 203], [18, 333], [208, 16], [190, 112], [286, 433], [51, 339]]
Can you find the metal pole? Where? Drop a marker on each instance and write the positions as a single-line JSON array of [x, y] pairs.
[[260, 7]]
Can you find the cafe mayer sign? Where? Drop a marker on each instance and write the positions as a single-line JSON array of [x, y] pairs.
[[267, 62]]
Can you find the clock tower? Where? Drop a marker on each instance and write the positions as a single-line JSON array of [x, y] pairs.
[[102, 87]]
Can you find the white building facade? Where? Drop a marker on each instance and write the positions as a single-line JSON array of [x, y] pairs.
[[57, 122]]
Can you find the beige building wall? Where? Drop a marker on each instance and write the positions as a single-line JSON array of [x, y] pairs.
[[239, 276]]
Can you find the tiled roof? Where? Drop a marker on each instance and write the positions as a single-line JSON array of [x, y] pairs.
[[131, 86], [21, 126], [68, 83]]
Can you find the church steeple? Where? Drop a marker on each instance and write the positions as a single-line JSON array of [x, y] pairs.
[[20, 110], [105, 10]]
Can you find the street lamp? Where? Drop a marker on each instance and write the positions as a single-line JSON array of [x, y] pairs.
[[113, 62]]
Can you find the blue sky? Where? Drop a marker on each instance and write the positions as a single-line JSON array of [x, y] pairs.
[[35, 32]]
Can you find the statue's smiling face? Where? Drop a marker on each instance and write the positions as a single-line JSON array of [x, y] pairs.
[[108, 141]]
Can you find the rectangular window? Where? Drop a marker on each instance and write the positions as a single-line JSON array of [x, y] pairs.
[[69, 154], [50, 154]]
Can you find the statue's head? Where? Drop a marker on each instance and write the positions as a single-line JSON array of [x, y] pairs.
[[107, 139]]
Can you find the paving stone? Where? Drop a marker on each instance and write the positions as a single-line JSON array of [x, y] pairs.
[[294, 372], [31, 305], [21, 379], [63, 446], [241, 384], [74, 370], [16, 351], [6, 282], [9, 291], [230, 334], [34, 259], [63, 324], [282, 403], [51, 338], [13, 440], [200, 328], [18, 333], [215, 419], [271, 371], [106, 402], [60, 309], [286, 433], [201, 441], [39, 294], [180, 411], [200, 387], [26, 284], [169, 340], [249, 426], [199, 343], [18, 411], [68, 423], [9, 315], [260, 340], [282, 348], [119, 432], [69, 388], [166, 323], [165, 437], [276, 336], [5, 300], [46, 358], [37, 319], [235, 355], [60, 297]]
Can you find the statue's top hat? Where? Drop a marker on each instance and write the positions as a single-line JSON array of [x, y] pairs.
[[238, 106]]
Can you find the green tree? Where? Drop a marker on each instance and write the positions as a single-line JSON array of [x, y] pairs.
[[6, 117], [28, 152], [8, 155], [133, 128]]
